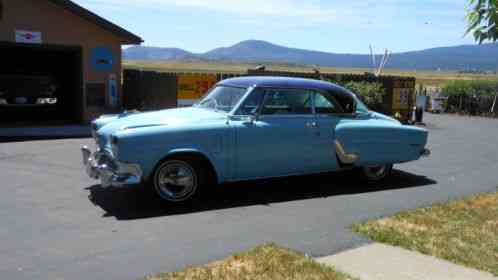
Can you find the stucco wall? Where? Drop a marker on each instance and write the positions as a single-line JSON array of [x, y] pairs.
[[61, 27]]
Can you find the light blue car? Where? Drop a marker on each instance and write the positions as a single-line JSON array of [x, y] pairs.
[[249, 128]]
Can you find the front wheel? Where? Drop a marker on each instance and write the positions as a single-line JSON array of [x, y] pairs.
[[177, 180], [376, 173]]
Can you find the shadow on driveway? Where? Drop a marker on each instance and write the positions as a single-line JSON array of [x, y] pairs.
[[138, 203]]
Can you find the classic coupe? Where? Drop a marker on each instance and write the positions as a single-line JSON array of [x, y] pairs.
[[249, 128]]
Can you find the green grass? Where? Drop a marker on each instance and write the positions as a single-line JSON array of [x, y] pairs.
[[427, 78], [464, 231], [268, 262]]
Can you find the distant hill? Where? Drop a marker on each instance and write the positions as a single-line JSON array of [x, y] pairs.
[[465, 57], [152, 53]]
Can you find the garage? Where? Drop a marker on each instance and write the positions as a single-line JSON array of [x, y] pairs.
[[63, 71], [32, 74]]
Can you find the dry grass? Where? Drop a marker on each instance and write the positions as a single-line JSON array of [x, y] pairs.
[[267, 262], [428, 78], [463, 231]]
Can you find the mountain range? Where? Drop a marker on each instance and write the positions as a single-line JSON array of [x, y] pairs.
[[464, 57]]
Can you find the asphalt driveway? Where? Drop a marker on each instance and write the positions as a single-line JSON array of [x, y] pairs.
[[58, 224]]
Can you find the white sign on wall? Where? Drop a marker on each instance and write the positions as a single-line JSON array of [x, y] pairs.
[[24, 36]]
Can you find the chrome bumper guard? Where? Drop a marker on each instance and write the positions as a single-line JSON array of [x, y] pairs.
[[111, 173], [425, 153]]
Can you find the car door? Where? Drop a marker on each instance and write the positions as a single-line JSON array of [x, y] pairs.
[[328, 115], [280, 141]]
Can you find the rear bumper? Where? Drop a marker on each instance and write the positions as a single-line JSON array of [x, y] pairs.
[[111, 173], [425, 153]]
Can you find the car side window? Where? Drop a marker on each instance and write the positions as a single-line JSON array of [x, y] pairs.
[[345, 100], [287, 102], [252, 103], [324, 104]]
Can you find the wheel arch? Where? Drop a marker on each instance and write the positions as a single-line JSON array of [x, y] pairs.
[[190, 153]]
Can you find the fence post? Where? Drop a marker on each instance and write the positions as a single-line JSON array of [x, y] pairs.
[[494, 103]]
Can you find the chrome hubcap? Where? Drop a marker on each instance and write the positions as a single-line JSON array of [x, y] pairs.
[[176, 181]]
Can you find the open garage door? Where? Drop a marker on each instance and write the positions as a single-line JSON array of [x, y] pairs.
[[40, 84]]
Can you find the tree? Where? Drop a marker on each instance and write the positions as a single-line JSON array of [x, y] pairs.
[[482, 20]]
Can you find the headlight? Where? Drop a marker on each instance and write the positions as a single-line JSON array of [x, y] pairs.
[[49, 101], [94, 129]]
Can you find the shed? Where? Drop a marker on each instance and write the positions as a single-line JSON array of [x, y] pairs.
[[59, 62]]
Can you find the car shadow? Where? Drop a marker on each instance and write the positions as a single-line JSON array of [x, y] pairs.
[[140, 203]]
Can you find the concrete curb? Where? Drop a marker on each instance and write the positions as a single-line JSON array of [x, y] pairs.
[[382, 262]]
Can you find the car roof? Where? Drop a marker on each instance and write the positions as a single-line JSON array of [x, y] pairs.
[[282, 82]]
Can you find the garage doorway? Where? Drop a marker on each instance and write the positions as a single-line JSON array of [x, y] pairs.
[[40, 84]]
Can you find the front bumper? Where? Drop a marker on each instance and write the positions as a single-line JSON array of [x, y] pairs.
[[102, 165]]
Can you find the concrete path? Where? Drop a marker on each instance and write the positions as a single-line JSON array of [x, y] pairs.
[[381, 262]]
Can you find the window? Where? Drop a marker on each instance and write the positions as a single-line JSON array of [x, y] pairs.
[[287, 102], [222, 98], [345, 100], [324, 104], [251, 105]]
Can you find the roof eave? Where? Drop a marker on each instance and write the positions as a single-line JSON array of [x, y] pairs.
[[127, 36]]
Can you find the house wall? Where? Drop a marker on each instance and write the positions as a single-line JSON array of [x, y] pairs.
[[61, 27]]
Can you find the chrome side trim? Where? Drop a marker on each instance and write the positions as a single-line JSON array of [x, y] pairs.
[[344, 157]]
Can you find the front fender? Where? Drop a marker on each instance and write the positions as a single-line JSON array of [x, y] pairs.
[[151, 157], [148, 146]]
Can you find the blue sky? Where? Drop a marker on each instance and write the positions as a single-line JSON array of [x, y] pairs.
[[332, 26]]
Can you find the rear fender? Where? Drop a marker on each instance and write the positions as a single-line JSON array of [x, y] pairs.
[[373, 142]]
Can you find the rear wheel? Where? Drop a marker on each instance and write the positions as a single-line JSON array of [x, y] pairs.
[[375, 173], [179, 179]]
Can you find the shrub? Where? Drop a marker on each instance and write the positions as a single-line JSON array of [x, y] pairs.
[[369, 92], [470, 97], [470, 88]]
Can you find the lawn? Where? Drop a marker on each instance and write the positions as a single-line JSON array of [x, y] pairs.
[[464, 231], [427, 78], [268, 262]]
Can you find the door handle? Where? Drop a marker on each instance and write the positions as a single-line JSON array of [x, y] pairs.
[[311, 125]]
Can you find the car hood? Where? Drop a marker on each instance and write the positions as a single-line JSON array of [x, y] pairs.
[[380, 116], [106, 125]]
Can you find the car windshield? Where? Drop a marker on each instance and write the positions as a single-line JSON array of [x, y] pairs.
[[222, 98]]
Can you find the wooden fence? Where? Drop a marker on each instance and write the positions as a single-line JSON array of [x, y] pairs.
[[476, 106], [148, 90]]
